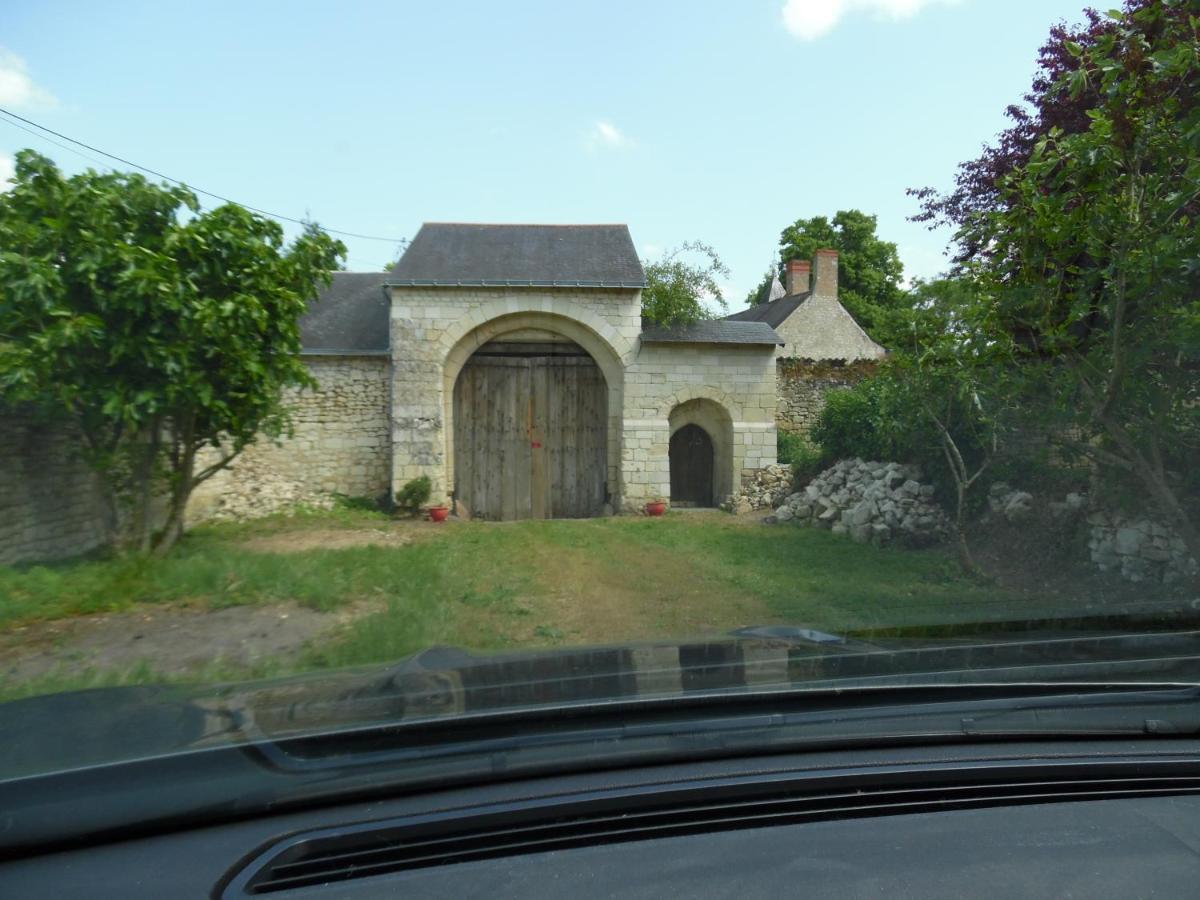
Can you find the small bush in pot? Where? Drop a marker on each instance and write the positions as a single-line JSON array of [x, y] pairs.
[[414, 494]]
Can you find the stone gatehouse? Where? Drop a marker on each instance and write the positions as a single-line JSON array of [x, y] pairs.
[[510, 364]]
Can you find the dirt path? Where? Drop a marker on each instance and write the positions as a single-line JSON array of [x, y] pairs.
[[169, 640], [639, 592]]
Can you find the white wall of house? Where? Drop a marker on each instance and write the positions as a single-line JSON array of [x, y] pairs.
[[820, 328]]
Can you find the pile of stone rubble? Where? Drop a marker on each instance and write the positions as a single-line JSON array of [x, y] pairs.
[[766, 490], [870, 501], [1138, 548]]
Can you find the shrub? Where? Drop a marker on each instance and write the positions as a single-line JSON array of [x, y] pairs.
[[414, 494], [852, 423], [359, 504], [805, 458]]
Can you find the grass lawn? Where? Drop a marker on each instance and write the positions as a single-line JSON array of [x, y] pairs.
[[481, 586]]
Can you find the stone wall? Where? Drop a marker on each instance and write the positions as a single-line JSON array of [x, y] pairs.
[[738, 379], [339, 445], [1137, 548], [767, 489], [51, 505], [803, 385]]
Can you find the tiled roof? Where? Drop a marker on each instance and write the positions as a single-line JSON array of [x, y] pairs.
[[716, 331], [460, 254], [772, 313], [351, 315]]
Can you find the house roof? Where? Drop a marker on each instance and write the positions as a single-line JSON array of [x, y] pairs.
[[351, 315], [772, 313], [451, 254], [717, 331]]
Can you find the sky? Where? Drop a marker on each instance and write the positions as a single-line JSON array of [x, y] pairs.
[[715, 121]]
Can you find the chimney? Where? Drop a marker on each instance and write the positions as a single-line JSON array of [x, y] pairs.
[[795, 276], [825, 273]]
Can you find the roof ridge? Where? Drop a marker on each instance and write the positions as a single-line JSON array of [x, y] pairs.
[[534, 224]]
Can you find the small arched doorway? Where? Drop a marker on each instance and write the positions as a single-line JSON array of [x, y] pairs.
[[691, 456]]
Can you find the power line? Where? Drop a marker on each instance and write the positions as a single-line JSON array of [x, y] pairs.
[[12, 115]]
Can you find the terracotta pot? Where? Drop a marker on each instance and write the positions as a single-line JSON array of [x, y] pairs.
[[656, 508], [438, 513]]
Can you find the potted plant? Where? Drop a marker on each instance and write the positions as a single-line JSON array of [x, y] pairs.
[[438, 513], [656, 507], [414, 494]]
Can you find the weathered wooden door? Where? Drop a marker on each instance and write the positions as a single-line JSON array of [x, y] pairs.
[[530, 436], [691, 454]]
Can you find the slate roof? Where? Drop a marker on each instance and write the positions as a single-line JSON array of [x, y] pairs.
[[351, 315], [772, 313], [446, 253], [717, 331]]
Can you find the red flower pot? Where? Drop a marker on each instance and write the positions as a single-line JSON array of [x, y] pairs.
[[438, 513], [656, 508]]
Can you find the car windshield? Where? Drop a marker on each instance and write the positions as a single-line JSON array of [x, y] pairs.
[[399, 386]]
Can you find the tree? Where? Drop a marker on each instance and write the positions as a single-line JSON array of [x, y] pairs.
[[676, 288], [977, 185], [869, 269], [1093, 256], [950, 373], [161, 331]]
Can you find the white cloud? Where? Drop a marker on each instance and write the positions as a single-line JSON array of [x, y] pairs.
[[606, 134], [7, 170], [811, 19], [17, 88]]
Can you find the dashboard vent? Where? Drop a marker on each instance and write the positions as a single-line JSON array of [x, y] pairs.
[[342, 854]]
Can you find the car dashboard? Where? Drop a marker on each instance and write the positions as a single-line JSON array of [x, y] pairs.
[[1095, 818]]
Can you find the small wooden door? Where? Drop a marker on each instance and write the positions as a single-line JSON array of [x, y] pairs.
[[531, 436], [691, 454]]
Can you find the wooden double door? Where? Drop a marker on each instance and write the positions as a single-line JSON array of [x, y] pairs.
[[531, 434]]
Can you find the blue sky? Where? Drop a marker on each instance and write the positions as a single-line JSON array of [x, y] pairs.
[[718, 121]]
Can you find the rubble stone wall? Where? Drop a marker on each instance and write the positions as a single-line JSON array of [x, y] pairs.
[[339, 446], [51, 505], [803, 385]]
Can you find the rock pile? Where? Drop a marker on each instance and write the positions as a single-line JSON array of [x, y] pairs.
[[1141, 550], [870, 501], [766, 490]]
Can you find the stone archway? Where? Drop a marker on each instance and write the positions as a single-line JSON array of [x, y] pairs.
[[698, 427], [514, 355]]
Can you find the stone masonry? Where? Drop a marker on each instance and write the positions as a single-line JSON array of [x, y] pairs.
[[339, 445], [50, 501], [435, 331], [803, 385]]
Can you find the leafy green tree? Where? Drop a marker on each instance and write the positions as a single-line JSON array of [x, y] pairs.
[[1093, 258], [869, 269], [680, 282], [167, 334], [947, 378]]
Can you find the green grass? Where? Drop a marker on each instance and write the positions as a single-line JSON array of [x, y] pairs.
[[487, 587]]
